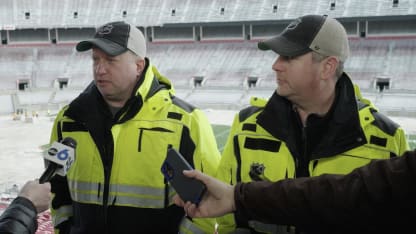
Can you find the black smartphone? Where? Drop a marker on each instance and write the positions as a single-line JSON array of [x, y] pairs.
[[189, 189]]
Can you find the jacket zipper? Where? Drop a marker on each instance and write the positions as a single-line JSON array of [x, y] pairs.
[[302, 162], [107, 173]]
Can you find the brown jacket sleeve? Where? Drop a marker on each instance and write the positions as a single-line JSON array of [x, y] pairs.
[[376, 197]]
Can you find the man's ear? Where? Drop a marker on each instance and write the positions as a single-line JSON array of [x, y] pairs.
[[140, 64], [329, 67]]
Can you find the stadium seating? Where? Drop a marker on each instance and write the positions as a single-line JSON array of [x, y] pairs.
[[15, 64], [52, 13], [34, 97], [207, 48], [6, 104], [225, 65]]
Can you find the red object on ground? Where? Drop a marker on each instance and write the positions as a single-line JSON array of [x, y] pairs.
[[45, 223]]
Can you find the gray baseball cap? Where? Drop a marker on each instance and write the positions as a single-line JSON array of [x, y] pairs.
[[116, 38], [318, 33]]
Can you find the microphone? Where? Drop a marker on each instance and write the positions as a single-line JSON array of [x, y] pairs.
[[59, 159]]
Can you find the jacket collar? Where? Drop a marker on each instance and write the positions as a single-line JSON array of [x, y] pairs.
[[343, 131], [153, 81]]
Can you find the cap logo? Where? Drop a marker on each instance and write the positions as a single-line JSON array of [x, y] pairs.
[[106, 29], [294, 24]]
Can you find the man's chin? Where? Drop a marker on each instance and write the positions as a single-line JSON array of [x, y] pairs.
[[280, 91], [104, 88], [105, 93]]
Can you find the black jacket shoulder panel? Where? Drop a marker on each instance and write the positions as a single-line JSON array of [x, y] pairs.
[[182, 104], [247, 112], [361, 105], [384, 123], [155, 87]]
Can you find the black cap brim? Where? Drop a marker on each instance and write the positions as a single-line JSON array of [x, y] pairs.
[[105, 45], [282, 46]]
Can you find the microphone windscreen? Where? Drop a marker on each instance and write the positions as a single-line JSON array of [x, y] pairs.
[[69, 141]]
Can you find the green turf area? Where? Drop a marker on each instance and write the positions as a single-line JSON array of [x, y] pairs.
[[221, 134], [412, 141]]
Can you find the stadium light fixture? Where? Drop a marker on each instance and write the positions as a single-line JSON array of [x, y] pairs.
[[332, 5], [274, 8]]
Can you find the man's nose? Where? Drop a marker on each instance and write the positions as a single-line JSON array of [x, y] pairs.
[[278, 64], [99, 68]]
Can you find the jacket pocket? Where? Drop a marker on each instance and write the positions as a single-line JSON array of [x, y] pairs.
[[150, 131]]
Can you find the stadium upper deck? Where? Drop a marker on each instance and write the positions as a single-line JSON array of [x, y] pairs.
[[90, 13]]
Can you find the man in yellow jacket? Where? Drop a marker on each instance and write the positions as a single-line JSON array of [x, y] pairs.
[[124, 122], [315, 123]]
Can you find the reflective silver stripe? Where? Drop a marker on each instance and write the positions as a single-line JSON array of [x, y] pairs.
[[80, 185], [85, 192], [268, 228], [137, 201], [187, 226], [136, 189], [139, 196], [61, 215], [130, 195], [86, 197]]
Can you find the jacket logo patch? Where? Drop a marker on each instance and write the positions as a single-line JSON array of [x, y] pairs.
[[257, 172]]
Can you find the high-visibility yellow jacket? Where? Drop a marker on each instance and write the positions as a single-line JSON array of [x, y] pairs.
[[267, 141], [115, 184]]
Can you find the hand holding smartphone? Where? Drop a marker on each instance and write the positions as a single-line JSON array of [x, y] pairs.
[[187, 188]]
